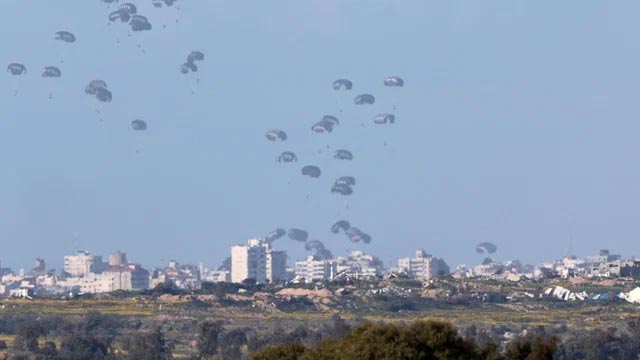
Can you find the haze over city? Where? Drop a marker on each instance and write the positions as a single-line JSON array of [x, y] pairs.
[[517, 125]]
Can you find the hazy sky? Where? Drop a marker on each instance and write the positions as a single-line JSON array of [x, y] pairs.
[[518, 124]]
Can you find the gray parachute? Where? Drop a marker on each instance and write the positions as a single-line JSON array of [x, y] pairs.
[[384, 119], [393, 81], [323, 126], [331, 119], [342, 83], [98, 88], [320, 252], [140, 23], [486, 248], [188, 67], [298, 235], [195, 56], [160, 3], [343, 154], [311, 171], [51, 71], [340, 225], [287, 157], [275, 135], [65, 36], [346, 180], [275, 235], [357, 235], [342, 189], [138, 125], [119, 15], [16, 69], [364, 99], [128, 8]]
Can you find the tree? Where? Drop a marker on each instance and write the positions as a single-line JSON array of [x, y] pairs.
[[207, 343], [281, 352], [148, 346], [27, 335], [539, 347], [84, 347]]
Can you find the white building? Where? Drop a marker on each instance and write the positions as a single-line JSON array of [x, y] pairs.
[[360, 264], [83, 263], [257, 261], [423, 266], [311, 269]]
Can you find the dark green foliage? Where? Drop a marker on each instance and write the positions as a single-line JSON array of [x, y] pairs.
[[148, 346], [3, 345], [208, 338], [538, 347], [281, 352], [49, 351], [84, 347], [27, 335], [601, 344]]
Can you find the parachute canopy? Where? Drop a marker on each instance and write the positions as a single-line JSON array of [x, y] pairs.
[[140, 23], [342, 189], [312, 171], [121, 15], [343, 154], [340, 225], [393, 81], [187, 67], [384, 118], [323, 126], [364, 99], [195, 56], [51, 71], [138, 125], [274, 135], [486, 248], [357, 235], [128, 8], [65, 36], [16, 69], [346, 180], [342, 83], [159, 3], [287, 157], [275, 235], [104, 95], [297, 234], [94, 86]]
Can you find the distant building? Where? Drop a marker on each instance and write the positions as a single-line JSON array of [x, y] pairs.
[[312, 269], [359, 264], [423, 266], [257, 261], [125, 277], [83, 263], [39, 267], [118, 259], [630, 268]]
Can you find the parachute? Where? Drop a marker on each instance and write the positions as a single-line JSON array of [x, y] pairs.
[[311, 171], [364, 99], [140, 23], [94, 86], [384, 118], [319, 251], [274, 135], [394, 81], [287, 157], [188, 66], [346, 180], [357, 235], [51, 71], [331, 119], [342, 189], [65, 36], [340, 225], [138, 125], [323, 126], [128, 8], [159, 3], [298, 235], [121, 15], [343, 154], [195, 56], [104, 95], [16, 69], [275, 235], [486, 247], [342, 83]]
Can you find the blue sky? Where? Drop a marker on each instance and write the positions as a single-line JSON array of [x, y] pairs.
[[518, 125]]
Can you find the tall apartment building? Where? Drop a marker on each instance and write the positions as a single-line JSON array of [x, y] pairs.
[[83, 263], [312, 269], [257, 261], [423, 266]]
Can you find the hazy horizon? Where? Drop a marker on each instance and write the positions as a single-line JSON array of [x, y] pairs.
[[516, 125]]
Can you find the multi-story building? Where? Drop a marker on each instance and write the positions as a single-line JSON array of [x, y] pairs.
[[257, 261], [423, 266], [312, 269], [83, 263], [360, 264]]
